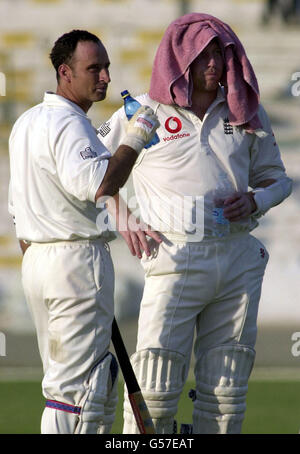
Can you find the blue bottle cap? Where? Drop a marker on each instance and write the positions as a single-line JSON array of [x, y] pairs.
[[124, 93]]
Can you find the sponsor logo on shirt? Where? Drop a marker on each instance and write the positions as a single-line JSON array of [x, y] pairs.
[[88, 153], [176, 136], [174, 125]]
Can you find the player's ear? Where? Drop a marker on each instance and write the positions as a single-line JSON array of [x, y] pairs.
[[65, 72]]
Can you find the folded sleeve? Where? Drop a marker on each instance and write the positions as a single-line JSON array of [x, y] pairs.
[[11, 209], [113, 131], [81, 159], [266, 160]]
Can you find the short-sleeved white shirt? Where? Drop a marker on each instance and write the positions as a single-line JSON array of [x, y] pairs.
[[57, 163], [189, 159]]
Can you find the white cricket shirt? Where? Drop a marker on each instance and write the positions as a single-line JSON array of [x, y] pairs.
[[177, 178], [57, 163]]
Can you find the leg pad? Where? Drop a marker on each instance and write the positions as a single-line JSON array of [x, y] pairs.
[[222, 375], [161, 375]]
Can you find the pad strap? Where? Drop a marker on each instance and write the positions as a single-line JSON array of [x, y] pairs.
[[56, 405]]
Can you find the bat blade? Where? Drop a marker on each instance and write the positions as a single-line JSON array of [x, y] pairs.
[[141, 413]]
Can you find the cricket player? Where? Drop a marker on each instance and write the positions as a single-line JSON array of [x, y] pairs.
[[215, 171], [59, 170]]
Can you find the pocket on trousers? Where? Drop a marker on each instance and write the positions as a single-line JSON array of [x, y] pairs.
[[167, 259], [99, 265], [148, 262], [25, 256]]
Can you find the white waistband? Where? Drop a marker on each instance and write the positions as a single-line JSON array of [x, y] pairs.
[[84, 241], [178, 238]]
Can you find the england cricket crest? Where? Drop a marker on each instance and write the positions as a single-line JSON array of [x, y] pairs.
[[104, 129], [228, 129]]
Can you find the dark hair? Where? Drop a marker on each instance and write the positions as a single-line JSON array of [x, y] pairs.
[[64, 47]]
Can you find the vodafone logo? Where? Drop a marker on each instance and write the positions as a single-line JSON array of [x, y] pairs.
[[173, 125]]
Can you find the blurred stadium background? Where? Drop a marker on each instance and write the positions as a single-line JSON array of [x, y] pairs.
[[131, 31]]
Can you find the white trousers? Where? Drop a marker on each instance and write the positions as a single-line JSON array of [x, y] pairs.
[[203, 295], [69, 288], [212, 287]]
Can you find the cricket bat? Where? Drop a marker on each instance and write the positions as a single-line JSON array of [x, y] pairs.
[[138, 404]]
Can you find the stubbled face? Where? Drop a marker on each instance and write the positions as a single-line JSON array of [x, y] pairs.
[[89, 73], [207, 68]]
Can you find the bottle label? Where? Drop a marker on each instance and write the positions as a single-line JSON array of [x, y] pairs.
[[218, 216]]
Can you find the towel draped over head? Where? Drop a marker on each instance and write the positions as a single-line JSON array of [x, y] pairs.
[[183, 41]]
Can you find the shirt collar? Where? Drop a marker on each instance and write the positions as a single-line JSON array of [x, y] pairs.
[[219, 98], [52, 99]]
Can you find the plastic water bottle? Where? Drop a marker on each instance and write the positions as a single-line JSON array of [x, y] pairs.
[[131, 105], [221, 225]]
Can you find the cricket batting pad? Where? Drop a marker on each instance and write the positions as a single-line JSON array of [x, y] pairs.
[[99, 403], [222, 375], [161, 376]]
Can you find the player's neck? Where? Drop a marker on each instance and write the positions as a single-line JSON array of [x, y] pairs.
[[83, 104], [201, 102]]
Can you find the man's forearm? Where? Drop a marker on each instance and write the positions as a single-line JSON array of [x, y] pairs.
[[121, 163], [262, 184], [118, 209], [24, 246], [118, 171], [265, 183]]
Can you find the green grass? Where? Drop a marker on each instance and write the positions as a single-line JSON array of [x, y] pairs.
[[273, 407]]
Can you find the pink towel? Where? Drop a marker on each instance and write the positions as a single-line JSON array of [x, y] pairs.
[[183, 41]]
